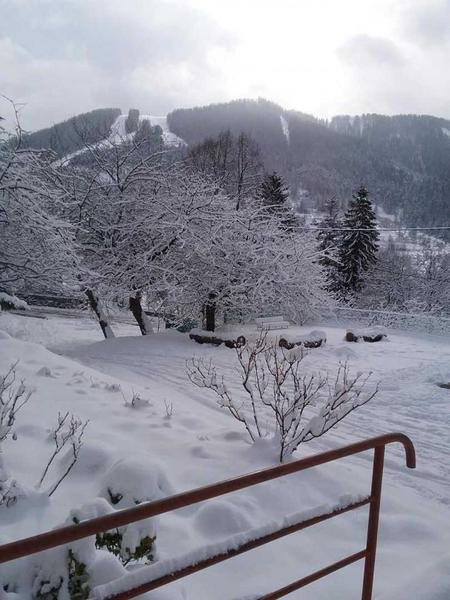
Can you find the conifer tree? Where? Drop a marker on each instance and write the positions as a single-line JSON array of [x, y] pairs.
[[359, 243], [275, 199]]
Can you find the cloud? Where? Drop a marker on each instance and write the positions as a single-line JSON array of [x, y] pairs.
[[369, 51], [396, 78], [65, 57], [428, 23]]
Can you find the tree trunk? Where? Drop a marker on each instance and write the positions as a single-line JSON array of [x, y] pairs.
[[210, 313], [139, 314], [94, 303]]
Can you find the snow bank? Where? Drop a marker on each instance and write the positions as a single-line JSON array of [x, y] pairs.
[[131, 481], [8, 302]]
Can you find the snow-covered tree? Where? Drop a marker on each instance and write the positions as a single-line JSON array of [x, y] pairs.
[[328, 237], [359, 243], [432, 281], [234, 162], [133, 210], [36, 243], [243, 264]]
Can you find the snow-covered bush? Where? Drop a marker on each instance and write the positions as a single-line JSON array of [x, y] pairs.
[[9, 302], [298, 407], [70, 572], [60, 573], [130, 482], [129, 543]]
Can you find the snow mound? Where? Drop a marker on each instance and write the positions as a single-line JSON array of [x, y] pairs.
[[368, 334], [130, 482], [317, 335], [220, 518], [44, 372], [93, 459]]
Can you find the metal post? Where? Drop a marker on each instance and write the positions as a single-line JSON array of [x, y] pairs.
[[372, 529]]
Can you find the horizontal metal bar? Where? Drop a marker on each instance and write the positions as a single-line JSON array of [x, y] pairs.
[[65, 535], [251, 545], [304, 581]]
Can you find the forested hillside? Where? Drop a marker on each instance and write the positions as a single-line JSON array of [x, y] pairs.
[[71, 135], [404, 160]]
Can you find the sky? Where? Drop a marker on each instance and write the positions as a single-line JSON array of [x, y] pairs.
[[325, 57]]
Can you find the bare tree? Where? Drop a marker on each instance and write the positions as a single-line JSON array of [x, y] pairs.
[[298, 407]]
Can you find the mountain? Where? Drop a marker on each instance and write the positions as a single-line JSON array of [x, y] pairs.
[[404, 160]]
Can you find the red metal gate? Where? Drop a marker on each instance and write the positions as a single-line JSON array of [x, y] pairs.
[[84, 529]]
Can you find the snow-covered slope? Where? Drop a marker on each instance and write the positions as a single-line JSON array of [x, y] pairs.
[[118, 132], [119, 135], [196, 443], [284, 128]]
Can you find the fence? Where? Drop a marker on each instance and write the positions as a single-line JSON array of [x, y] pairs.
[[433, 324], [129, 586]]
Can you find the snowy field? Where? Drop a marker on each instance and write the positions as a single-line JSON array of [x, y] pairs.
[[183, 434]]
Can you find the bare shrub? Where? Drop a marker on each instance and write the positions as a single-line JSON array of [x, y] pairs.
[[298, 407], [13, 396], [68, 432]]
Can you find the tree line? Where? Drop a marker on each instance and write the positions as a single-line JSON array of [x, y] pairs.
[[207, 235]]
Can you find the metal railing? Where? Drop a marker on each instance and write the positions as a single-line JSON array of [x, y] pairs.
[[424, 322], [66, 535]]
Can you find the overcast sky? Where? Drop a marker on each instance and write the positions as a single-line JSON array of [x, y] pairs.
[[326, 57]]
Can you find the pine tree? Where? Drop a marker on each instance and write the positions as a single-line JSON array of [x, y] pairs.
[[359, 243], [275, 199]]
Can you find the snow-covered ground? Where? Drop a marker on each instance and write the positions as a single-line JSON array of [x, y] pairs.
[[119, 134], [194, 442]]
